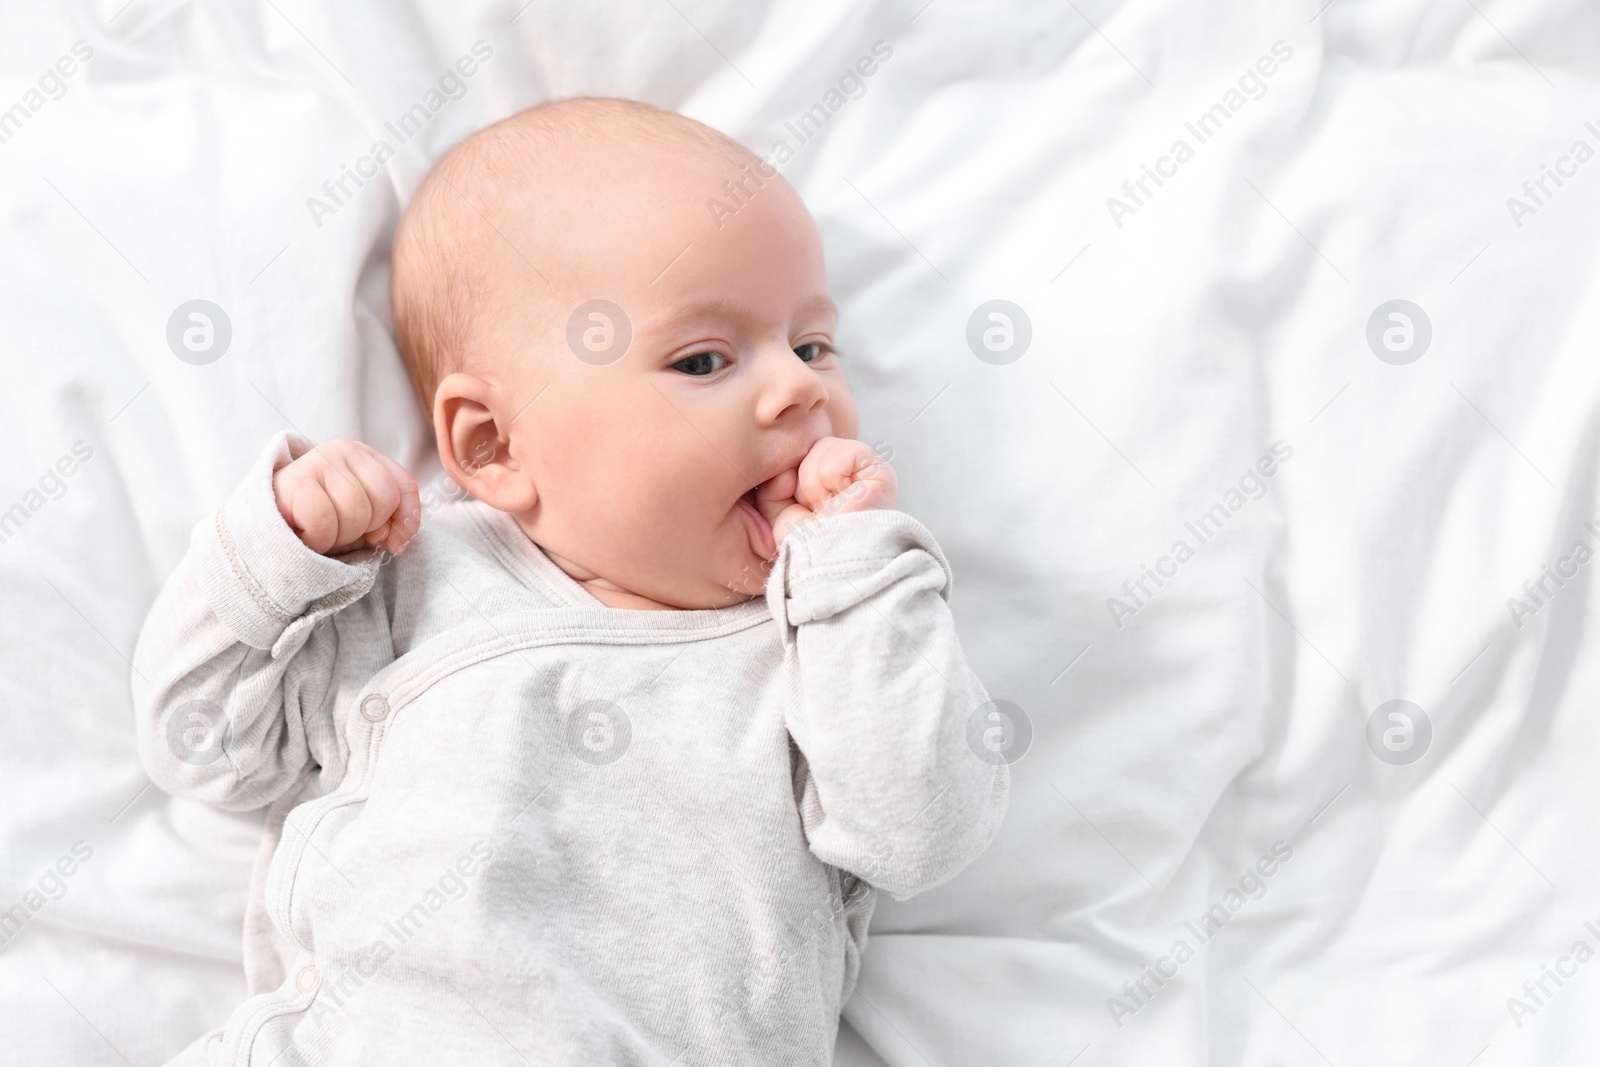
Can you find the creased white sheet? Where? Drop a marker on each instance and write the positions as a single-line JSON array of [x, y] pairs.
[[1181, 731]]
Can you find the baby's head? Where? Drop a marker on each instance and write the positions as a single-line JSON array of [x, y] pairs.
[[608, 358]]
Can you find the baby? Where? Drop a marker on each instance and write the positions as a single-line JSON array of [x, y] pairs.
[[606, 764]]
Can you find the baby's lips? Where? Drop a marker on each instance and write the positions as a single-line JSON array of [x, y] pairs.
[[762, 542]]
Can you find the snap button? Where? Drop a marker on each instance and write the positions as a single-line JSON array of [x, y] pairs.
[[374, 707], [308, 979]]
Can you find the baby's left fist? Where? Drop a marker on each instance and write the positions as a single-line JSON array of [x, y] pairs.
[[836, 477]]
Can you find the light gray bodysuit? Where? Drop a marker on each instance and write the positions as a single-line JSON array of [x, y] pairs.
[[510, 824]]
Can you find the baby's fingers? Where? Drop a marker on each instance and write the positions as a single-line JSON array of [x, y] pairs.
[[830, 467], [311, 514], [406, 518], [361, 497], [388, 491], [775, 494]]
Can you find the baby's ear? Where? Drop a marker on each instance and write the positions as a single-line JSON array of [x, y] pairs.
[[475, 448]]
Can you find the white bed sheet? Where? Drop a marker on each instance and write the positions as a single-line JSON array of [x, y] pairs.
[[1172, 346]]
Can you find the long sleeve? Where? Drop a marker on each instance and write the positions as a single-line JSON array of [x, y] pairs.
[[234, 682], [892, 791]]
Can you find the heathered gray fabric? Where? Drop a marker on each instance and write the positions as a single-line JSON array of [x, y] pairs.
[[483, 861]]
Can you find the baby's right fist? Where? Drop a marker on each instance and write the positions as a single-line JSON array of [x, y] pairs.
[[344, 495]]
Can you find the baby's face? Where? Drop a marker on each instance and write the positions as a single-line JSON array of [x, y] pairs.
[[644, 466]]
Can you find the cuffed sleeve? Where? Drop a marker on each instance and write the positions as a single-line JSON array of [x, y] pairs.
[[893, 792], [235, 686]]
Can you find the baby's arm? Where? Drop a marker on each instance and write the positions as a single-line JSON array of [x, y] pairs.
[[234, 683], [894, 793]]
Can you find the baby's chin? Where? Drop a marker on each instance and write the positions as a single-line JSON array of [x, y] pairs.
[[740, 572], [749, 583], [727, 574]]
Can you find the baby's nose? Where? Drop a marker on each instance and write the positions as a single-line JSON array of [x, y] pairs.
[[790, 389]]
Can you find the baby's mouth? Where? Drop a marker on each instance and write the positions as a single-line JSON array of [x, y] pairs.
[[759, 529]]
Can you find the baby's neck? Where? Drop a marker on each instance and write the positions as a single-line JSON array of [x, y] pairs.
[[607, 592]]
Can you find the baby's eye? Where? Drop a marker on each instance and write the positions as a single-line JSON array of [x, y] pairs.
[[701, 364], [810, 352]]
